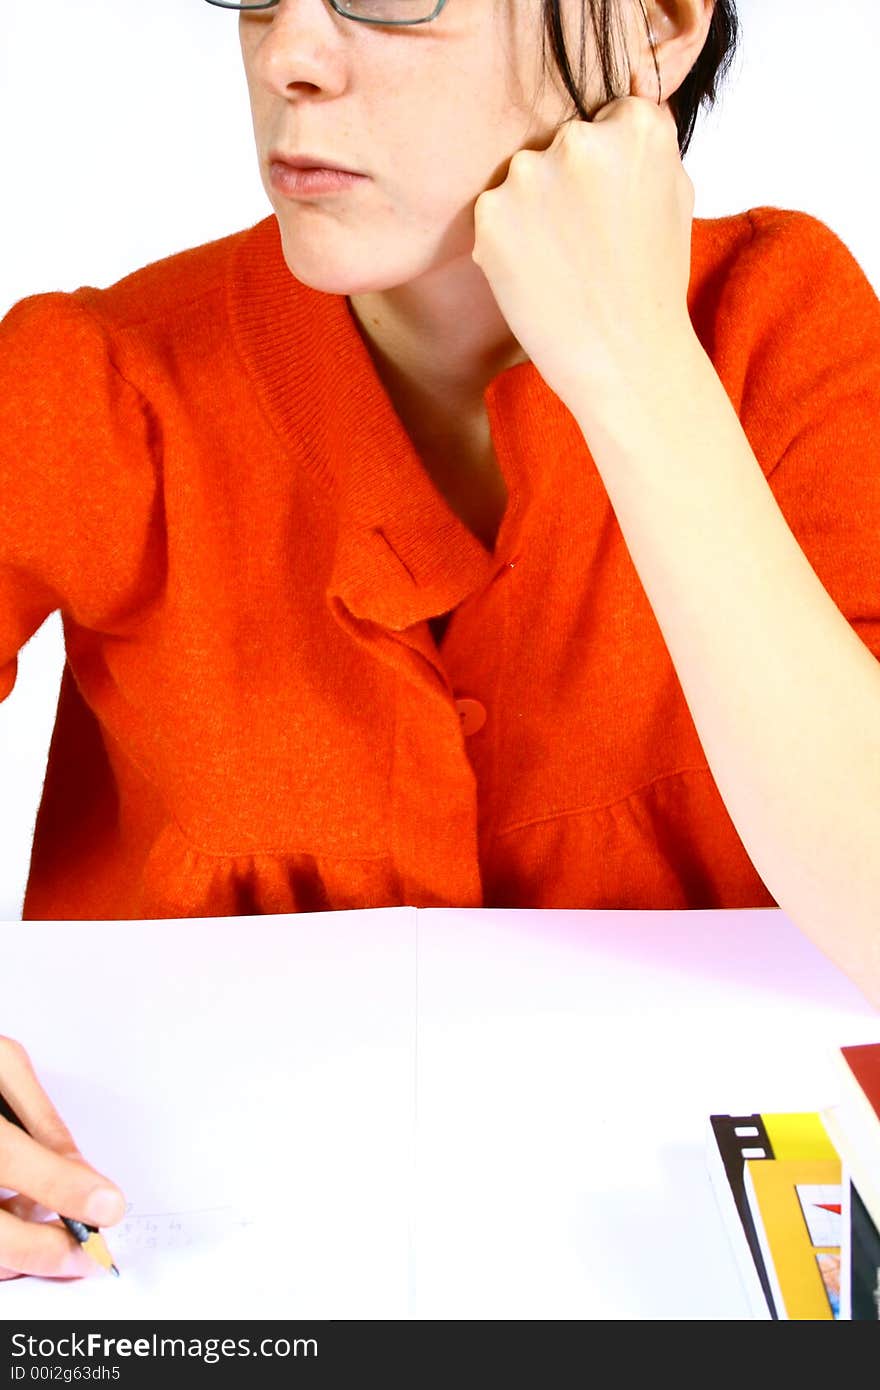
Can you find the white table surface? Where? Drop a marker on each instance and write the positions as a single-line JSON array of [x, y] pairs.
[[398, 1113]]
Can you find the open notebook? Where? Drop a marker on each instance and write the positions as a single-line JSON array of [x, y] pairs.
[[432, 1113]]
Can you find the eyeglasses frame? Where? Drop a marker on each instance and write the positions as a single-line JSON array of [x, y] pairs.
[[355, 18]]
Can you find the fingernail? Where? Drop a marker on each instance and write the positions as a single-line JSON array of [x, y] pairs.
[[103, 1207]]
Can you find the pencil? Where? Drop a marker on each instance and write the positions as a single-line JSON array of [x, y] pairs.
[[89, 1237]]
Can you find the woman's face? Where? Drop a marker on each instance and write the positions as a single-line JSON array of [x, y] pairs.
[[431, 113]]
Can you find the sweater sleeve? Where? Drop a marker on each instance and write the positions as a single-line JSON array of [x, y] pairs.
[[78, 478], [811, 396]]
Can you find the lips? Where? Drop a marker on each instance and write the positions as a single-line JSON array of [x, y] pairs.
[[307, 161]]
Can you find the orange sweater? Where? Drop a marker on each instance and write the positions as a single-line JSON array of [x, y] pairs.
[[200, 468]]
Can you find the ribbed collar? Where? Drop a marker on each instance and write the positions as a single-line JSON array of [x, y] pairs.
[[402, 553]]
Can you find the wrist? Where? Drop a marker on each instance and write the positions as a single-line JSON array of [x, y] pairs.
[[641, 376]]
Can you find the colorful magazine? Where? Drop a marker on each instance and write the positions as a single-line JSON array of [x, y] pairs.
[[796, 1207], [734, 1141]]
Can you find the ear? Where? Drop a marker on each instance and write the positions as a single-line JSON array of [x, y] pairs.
[[679, 29]]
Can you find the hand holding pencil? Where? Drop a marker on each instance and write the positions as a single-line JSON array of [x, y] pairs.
[[41, 1165]]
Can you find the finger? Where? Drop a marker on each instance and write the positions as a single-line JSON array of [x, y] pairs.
[[610, 109], [26, 1208], [21, 1087], [56, 1174], [67, 1186], [43, 1248]]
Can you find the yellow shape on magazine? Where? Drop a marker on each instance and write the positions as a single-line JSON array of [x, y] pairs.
[[798, 1136], [789, 1254]]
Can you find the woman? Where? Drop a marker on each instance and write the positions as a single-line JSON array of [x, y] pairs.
[[416, 544]]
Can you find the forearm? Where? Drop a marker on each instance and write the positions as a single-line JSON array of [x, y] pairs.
[[784, 695]]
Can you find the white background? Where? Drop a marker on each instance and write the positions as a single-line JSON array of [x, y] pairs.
[[127, 137]]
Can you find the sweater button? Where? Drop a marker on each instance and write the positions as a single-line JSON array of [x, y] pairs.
[[473, 715]]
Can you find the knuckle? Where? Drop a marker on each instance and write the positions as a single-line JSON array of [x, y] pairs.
[[523, 162], [11, 1049], [648, 122], [482, 211], [573, 137], [56, 1136]]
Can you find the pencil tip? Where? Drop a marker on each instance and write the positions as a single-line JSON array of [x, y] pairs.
[[115, 1270]]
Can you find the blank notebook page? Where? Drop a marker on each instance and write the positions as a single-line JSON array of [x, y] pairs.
[[249, 1084]]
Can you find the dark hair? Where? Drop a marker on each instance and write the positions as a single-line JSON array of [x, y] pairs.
[[699, 88]]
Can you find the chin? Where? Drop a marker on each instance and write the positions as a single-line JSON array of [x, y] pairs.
[[313, 266], [339, 273]]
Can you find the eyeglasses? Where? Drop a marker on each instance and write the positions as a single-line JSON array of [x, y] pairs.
[[365, 11]]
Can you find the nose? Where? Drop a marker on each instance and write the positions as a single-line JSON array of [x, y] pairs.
[[299, 47]]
